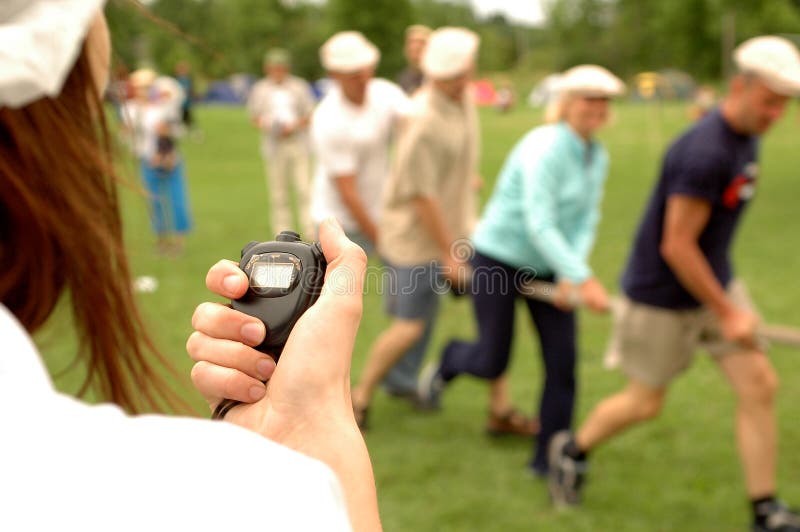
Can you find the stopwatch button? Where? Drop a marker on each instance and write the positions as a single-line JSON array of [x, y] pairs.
[[288, 236]]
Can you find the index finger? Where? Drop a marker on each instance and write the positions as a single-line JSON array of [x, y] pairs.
[[225, 278]]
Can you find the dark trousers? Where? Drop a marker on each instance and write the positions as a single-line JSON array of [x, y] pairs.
[[494, 293]]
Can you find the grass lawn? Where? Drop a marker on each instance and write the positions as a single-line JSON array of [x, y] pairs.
[[439, 472]]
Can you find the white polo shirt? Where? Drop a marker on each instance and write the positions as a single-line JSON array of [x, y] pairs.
[[66, 465], [354, 140]]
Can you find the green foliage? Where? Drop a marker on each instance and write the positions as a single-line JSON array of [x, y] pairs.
[[628, 36], [631, 35], [220, 37], [383, 22]]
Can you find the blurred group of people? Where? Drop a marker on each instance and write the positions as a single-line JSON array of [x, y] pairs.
[[400, 175], [399, 170]]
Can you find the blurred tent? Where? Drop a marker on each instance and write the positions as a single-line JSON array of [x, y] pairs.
[[545, 91], [668, 84], [233, 91], [485, 92]]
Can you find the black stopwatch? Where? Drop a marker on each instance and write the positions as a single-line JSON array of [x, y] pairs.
[[285, 278]]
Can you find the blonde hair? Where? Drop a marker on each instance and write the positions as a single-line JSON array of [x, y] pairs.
[[556, 109]]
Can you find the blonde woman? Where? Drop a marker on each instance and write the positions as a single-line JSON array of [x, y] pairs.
[[540, 222]]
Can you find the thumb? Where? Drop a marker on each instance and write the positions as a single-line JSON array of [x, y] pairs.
[[347, 262]]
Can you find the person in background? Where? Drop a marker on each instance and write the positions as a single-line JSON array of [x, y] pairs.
[[426, 209], [351, 132], [541, 222], [280, 106], [150, 118], [183, 75], [679, 286], [506, 99], [412, 77], [296, 455], [704, 101]]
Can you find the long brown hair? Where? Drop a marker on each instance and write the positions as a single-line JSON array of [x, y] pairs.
[[60, 229]]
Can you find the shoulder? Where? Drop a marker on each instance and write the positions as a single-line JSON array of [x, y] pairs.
[[386, 93], [300, 83], [706, 139], [542, 142], [19, 359], [697, 149], [384, 86], [260, 85]]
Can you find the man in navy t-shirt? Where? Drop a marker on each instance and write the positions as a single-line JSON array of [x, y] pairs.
[[716, 166], [680, 290]]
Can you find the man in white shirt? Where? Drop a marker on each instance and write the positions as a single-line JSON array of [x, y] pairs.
[[280, 106], [351, 132]]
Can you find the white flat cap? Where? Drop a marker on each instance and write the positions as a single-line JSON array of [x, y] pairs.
[[39, 44], [773, 59], [591, 80], [348, 51], [449, 52]]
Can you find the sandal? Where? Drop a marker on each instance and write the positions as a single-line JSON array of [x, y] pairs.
[[512, 423]]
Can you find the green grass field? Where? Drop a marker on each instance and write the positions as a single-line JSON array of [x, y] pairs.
[[439, 472]]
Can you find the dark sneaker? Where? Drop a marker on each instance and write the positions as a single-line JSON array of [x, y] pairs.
[[430, 388], [779, 518], [565, 474]]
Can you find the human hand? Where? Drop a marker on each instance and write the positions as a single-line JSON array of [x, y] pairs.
[[594, 296], [739, 325], [223, 343], [307, 404], [565, 298], [458, 272], [315, 362]]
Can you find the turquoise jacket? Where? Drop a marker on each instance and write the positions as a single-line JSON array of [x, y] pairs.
[[544, 210]]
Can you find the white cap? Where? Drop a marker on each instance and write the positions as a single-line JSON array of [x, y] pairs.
[[773, 59], [39, 44], [591, 80], [449, 52], [348, 51]]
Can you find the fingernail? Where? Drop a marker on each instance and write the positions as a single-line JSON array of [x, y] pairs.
[[253, 333], [264, 368], [257, 392], [231, 283]]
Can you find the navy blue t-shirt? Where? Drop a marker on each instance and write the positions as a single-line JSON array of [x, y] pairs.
[[711, 162]]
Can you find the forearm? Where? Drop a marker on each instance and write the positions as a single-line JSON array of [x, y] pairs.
[[332, 438], [355, 206], [559, 255], [430, 214], [690, 266], [342, 448]]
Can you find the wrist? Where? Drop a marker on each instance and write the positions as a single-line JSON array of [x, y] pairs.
[[723, 309]]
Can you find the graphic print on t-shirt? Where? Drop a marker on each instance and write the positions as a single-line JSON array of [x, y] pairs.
[[742, 188]]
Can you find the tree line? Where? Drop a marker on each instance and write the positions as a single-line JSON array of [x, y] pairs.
[[221, 37]]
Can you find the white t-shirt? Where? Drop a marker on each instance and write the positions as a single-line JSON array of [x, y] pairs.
[[66, 465], [354, 140], [143, 120], [284, 108]]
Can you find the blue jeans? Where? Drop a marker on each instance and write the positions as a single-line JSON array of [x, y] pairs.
[[494, 296], [169, 209]]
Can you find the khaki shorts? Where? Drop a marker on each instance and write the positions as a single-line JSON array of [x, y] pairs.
[[654, 345]]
